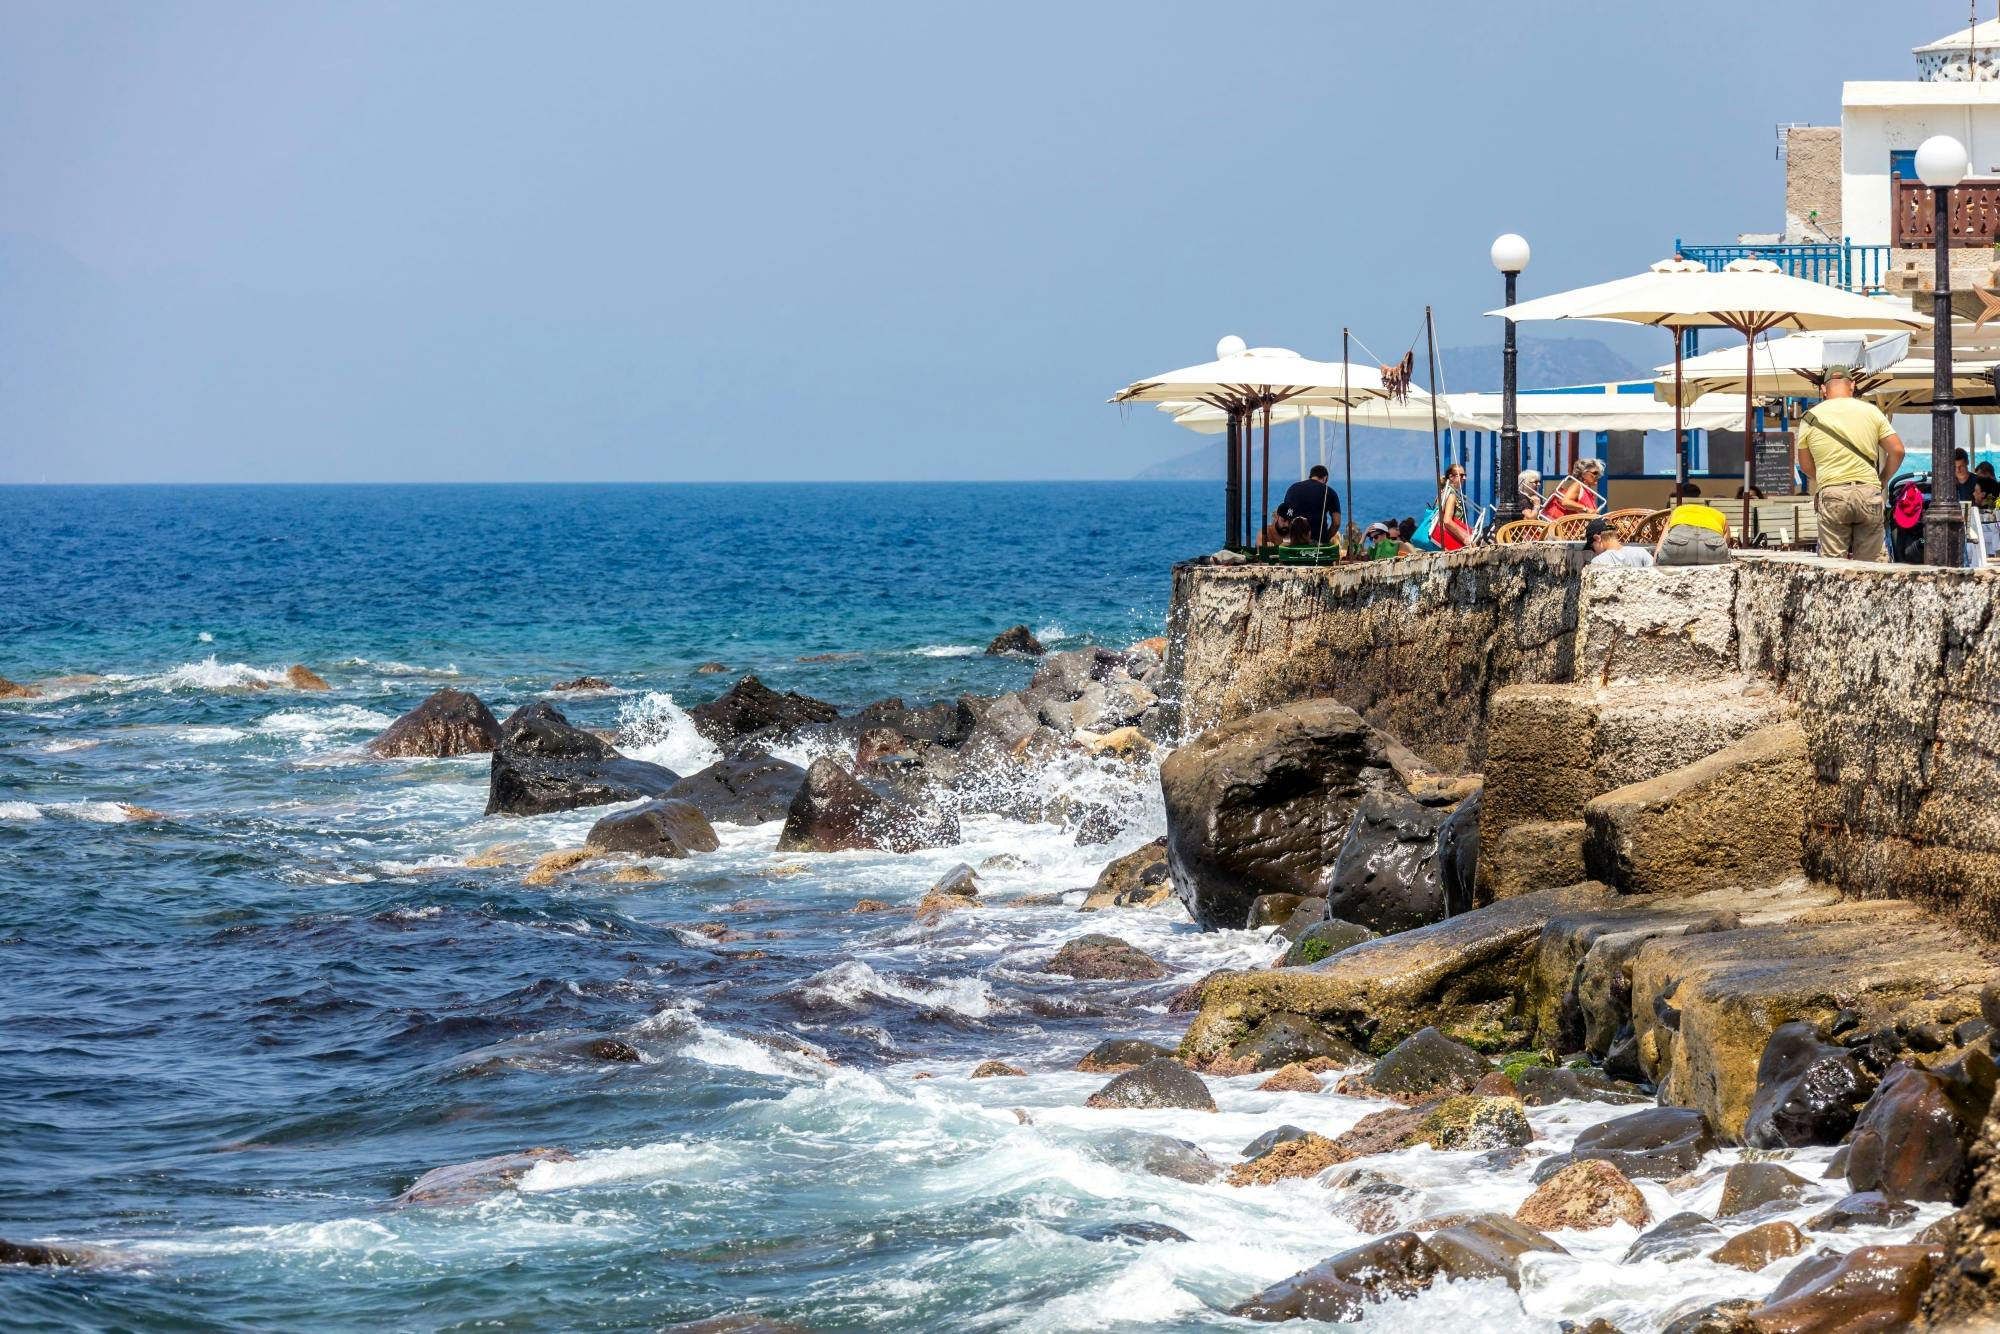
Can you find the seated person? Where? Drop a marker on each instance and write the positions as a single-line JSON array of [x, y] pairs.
[[1278, 529], [1406, 528], [1695, 535], [1576, 493], [1531, 494], [1300, 533], [1379, 542], [1602, 538], [1317, 503]]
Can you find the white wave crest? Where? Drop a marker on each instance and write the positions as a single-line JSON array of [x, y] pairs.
[[393, 668], [945, 651], [629, 1164], [19, 810], [726, 1050], [209, 736], [315, 725], [850, 985], [655, 729], [208, 674], [205, 637], [64, 747], [90, 812]]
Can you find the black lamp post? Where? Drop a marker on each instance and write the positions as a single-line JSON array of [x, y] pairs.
[[1941, 164], [1510, 256]]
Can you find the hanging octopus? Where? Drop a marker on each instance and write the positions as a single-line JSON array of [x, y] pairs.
[[1396, 379]]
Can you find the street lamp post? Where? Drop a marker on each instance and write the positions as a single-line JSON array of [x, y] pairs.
[[1510, 256], [1941, 164]]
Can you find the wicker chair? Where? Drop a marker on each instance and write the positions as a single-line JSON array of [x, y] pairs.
[[1626, 522], [1569, 528], [1521, 530], [1647, 531]]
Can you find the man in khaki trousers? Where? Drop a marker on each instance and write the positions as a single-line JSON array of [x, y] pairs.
[[1846, 448]]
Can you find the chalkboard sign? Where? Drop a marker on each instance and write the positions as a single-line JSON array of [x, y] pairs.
[[1771, 469]]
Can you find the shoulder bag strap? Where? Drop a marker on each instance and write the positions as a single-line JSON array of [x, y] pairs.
[[1826, 428]]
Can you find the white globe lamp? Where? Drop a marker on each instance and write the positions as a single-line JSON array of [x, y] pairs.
[[1510, 253]]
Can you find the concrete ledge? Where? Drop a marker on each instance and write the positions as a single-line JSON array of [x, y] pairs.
[[1674, 625]]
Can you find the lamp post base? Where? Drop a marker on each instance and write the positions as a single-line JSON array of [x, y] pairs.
[[1944, 534]]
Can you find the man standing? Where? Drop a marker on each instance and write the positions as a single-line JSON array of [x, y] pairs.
[[1610, 548], [1846, 447], [1317, 501]]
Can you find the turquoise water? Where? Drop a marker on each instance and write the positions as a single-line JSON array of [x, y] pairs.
[[236, 1030]]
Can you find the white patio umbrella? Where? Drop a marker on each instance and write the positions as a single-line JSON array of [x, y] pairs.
[[1751, 296], [1242, 381], [1795, 367]]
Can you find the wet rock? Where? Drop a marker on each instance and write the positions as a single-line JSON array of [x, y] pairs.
[[1118, 1054], [33, 1253], [1095, 824], [1488, 1246], [1016, 639], [935, 907], [869, 905], [1458, 855], [1294, 1078], [877, 747], [1497, 1085], [834, 811], [1323, 940], [1106, 706], [1657, 1144], [997, 1070], [1306, 1156], [1760, 1246], [711, 669], [550, 866], [582, 683], [1913, 1141], [1582, 1196], [301, 677], [1102, 958], [1474, 1123], [542, 764], [1139, 874], [14, 690], [463, 1183], [1382, 1132], [1007, 861], [1309, 914], [1260, 805], [1285, 1039], [1808, 1091], [1864, 1208], [1378, 1206], [1749, 1186], [1425, 1065], [1160, 1083], [1064, 675], [1676, 1238], [1272, 909], [747, 788], [1870, 1288], [1540, 1086], [450, 722], [664, 827], [1344, 1286], [1725, 1317], [1271, 1139], [1132, 1234], [1385, 877], [961, 880], [751, 708]]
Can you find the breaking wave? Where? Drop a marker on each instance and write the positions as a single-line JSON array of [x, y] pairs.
[[654, 728]]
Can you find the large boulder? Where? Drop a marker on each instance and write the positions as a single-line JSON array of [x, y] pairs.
[[543, 764], [1157, 1083], [1869, 1288], [663, 827], [1016, 639], [1102, 958], [1427, 1064], [1386, 875], [1808, 1091], [1747, 1187], [1116, 1055], [1458, 855], [1282, 1040], [1136, 880], [1913, 1141], [833, 811], [751, 708], [1261, 805], [1659, 1144], [450, 722], [1488, 1246], [747, 788], [1583, 1196], [1344, 1286]]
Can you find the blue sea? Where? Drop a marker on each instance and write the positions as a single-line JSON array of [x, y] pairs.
[[256, 981]]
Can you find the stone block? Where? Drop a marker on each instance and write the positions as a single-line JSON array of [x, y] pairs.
[[1730, 820], [1535, 854], [1675, 625]]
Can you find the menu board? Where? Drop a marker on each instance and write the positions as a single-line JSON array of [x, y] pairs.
[[1771, 466]]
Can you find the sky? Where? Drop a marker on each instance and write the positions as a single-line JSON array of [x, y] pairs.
[[495, 241]]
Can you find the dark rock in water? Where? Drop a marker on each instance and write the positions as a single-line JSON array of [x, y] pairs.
[[1808, 1091], [450, 722], [1101, 958], [1064, 675], [1158, 1155], [1913, 1141], [1309, 914], [1657, 1144], [834, 811], [1676, 1238], [1132, 1234], [1869, 1288], [879, 746], [1378, 1206], [1621, 1059], [1323, 940], [1749, 1186], [1343, 1287], [750, 707], [1113, 1055], [1488, 1246], [1864, 1208], [463, 1183], [1761, 1247], [611, 1049], [748, 788], [1725, 1317], [1272, 909], [1386, 876], [33, 1253], [1095, 825], [1271, 1139], [1426, 1064], [1015, 639], [998, 1070], [1458, 855], [583, 683], [542, 764], [1130, 878], [711, 669], [1539, 1086], [1282, 1039], [664, 827], [936, 723], [961, 880], [1161, 1083], [1260, 805]]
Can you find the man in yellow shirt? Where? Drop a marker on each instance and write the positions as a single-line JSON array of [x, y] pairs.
[[1846, 447]]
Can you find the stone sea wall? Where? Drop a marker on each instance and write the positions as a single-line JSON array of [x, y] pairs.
[[1892, 673]]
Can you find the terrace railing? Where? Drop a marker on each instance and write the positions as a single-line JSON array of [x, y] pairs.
[[1856, 268], [1975, 214]]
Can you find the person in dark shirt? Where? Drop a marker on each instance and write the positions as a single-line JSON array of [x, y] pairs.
[[1318, 502]]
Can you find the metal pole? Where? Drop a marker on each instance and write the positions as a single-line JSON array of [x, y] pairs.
[[1437, 461], [1347, 510], [1264, 515], [1507, 505], [1232, 490], [1749, 427], [1680, 434], [1944, 521]]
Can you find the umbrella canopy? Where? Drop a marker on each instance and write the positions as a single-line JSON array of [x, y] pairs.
[[1256, 378], [1591, 408], [1794, 367]]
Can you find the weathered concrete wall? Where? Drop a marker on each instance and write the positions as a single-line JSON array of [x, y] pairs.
[[1812, 182], [1417, 647]]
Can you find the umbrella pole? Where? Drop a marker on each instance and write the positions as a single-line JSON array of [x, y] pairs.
[[1232, 488], [1431, 349], [1347, 447], [1749, 447], [1680, 435], [1264, 516]]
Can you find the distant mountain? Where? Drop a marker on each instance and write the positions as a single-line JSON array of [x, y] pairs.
[[1545, 363]]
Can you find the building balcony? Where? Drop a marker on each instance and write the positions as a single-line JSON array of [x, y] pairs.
[[1975, 214], [1856, 268]]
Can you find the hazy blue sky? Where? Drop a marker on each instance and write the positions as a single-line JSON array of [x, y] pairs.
[[501, 241]]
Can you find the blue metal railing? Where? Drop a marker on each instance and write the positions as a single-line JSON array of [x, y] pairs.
[[1857, 268]]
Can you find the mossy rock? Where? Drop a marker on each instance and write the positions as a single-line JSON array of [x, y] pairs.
[[1469, 1121], [1514, 1062]]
